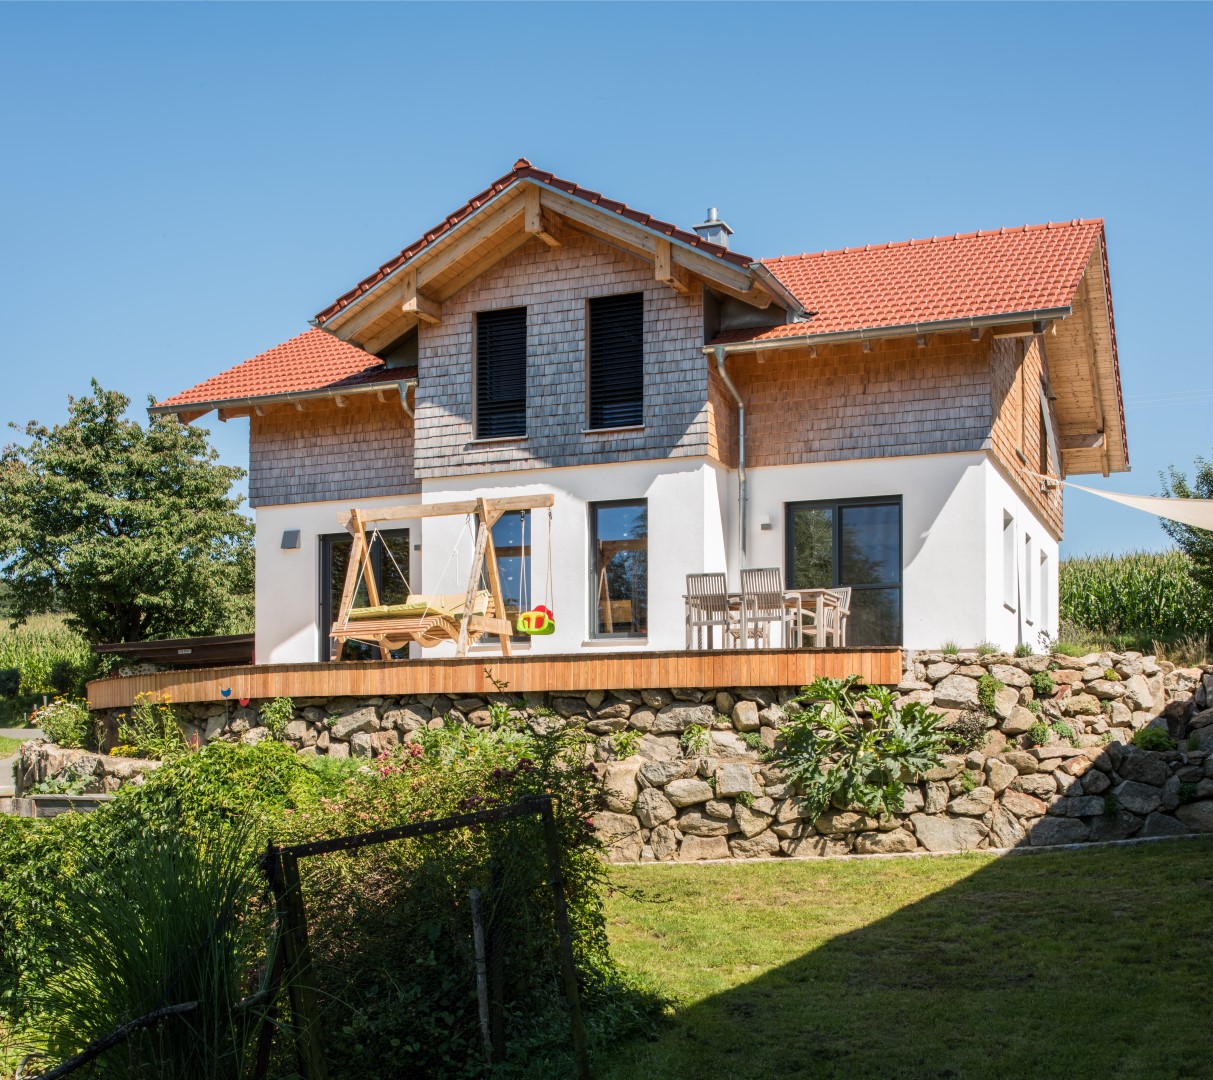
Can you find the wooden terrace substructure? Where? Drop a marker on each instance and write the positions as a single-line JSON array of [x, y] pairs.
[[620, 670]]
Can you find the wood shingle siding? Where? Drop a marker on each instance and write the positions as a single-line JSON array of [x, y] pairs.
[[1015, 366], [361, 450], [555, 285], [843, 404]]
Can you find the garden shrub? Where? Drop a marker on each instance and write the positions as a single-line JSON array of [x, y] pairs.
[[151, 729], [1038, 733], [1065, 731], [389, 925], [835, 754], [1152, 738], [695, 741], [65, 721], [987, 688], [967, 732], [625, 743], [10, 682], [276, 714], [1043, 684]]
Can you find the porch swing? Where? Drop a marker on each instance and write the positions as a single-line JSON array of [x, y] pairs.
[[432, 619]]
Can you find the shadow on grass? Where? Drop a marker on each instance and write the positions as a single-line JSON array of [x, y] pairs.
[[1063, 964]]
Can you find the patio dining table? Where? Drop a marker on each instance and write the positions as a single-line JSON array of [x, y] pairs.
[[813, 602]]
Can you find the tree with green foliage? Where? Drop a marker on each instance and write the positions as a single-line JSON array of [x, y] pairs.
[[129, 530], [1197, 544]]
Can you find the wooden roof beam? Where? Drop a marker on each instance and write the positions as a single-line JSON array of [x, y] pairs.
[[537, 221], [667, 273], [417, 304]]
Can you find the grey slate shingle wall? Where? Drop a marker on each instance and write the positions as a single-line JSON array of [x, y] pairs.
[[326, 452], [554, 286]]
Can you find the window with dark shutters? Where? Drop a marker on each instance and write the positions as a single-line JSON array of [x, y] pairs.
[[501, 373], [617, 361]]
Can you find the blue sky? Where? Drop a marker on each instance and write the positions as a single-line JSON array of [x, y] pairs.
[[185, 185]]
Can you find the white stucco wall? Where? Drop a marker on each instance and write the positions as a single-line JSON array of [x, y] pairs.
[[684, 537], [288, 582], [1034, 603], [943, 536], [952, 547]]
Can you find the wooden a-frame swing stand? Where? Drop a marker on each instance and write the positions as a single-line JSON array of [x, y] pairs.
[[439, 620]]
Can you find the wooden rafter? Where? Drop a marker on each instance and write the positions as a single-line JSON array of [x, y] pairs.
[[666, 272], [539, 222]]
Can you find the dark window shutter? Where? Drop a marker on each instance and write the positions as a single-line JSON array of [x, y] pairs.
[[501, 373], [617, 361]]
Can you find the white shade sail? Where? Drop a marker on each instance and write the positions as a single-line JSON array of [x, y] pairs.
[[1195, 512]]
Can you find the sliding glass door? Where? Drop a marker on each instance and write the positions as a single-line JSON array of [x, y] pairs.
[[853, 543], [390, 564]]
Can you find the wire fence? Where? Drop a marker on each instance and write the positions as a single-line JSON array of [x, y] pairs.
[[474, 904]]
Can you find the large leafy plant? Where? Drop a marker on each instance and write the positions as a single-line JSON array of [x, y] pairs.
[[851, 745]]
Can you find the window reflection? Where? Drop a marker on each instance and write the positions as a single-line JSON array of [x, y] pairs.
[[620, 581]]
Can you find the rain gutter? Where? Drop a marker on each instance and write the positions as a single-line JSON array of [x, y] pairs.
[[402, 386]]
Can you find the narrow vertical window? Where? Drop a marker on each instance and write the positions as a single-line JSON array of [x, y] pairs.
[[1045, 592], [1009, 591], [501, 373], [389, 563], [1029, 604], [616, 360], [619, 538]]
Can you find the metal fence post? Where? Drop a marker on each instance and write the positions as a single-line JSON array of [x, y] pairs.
[[283, 868], [567, 967]]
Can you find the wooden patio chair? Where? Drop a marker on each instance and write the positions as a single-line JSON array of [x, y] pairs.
[[833, 630], [762, 605], [707, 607]]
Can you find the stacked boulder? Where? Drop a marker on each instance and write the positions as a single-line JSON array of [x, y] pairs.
[[687, 772]]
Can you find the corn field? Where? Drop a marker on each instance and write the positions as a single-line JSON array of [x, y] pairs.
[[1146, 595], [37, 646]]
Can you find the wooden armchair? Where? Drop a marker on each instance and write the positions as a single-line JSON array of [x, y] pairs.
[[762, 605], [707, 607]]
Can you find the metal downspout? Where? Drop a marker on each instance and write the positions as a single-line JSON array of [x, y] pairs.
[[721, 358]]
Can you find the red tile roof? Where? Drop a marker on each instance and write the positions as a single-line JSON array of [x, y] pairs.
[[524, 170], [968, 275], [315, 360]]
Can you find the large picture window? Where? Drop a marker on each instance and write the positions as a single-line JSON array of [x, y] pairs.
[[501, 373], [390, 564], [616, 358], [512, 542], [619, 583], [851, 543]]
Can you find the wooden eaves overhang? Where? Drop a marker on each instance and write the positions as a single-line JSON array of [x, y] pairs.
[[523, 210], [231, 407]]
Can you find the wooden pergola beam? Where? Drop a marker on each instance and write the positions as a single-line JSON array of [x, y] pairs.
[[497, 507]]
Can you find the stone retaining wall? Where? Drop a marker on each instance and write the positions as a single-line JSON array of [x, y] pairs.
[[669, 799]]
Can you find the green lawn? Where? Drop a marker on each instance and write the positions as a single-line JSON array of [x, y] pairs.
[[8, 746], [1066, 964]]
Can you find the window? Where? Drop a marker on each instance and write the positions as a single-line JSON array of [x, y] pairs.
[[619, 542], [501, 374], [390, 563], [857, 544], [1009, 591], [1043, 602], [616, 361], [1029, 607], [512, 542]]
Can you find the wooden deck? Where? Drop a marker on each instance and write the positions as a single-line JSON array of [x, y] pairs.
[[578, 671]]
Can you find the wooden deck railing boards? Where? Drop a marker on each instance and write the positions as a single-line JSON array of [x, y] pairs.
[[476, 674]]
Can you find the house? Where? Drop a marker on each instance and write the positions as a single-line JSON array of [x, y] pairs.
[[888, 418]]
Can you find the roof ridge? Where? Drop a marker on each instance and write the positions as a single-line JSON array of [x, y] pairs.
[[524, 170], [979, 234]]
